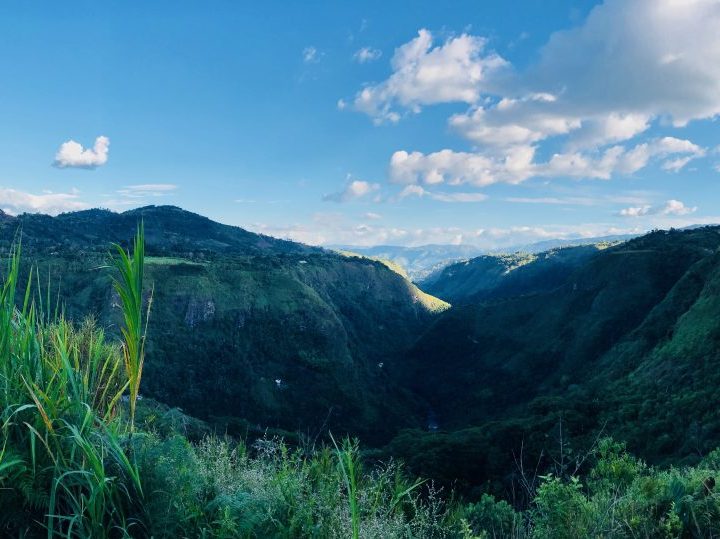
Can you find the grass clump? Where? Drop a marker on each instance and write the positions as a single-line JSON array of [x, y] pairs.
[[63, 466], [221, 488]]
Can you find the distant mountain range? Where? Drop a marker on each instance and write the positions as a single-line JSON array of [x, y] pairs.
[[420, 262]]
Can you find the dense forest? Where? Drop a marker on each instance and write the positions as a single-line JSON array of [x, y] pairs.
[[279, 390]]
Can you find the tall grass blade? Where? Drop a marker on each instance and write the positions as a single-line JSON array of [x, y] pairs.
[[128, 283]]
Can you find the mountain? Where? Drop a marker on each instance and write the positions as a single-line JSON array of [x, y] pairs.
[[539, 355], [170, 230], [246, 331], [623, 341], [547, 245], [426, 261], [420, 261], [496, 276]]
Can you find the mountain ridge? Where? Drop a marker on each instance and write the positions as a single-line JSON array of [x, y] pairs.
[[248, 331]]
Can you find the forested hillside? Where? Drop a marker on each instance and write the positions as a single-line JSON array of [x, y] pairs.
[[625, 341], [506, 275], [248, 331]]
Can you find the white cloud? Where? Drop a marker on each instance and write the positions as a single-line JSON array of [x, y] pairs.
[[355, 189], [652, 57], [587, 198], [513, 121], [412, 191], [366, 55], [342, 232], [458, 197], [147, 190], [72, 154], [311, 55], [419, 191], [518, 163], [593, 93], [372, 216], [675, 207], [671, 208], [447, 166], [631, 62], [635, 211], [14, 202], [423, 75]]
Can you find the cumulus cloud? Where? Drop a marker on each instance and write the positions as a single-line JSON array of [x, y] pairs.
[[606, 81], [424, 74], [518, 163], [354, 190], [366, 55], [73, 154], [372, 216], [635, 211], [675, 207], [652, 57], [14, 202], [592, 94], [670, 208]]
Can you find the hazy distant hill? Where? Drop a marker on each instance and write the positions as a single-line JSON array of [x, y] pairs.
[[427, 260], [547, 245], [417, 261]]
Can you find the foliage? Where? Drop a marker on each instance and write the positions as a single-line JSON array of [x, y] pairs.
[[130, 269], [62, 463]]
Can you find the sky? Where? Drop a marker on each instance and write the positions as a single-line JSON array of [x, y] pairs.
[[365, 123]]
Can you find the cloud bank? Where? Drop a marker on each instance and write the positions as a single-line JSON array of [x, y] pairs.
[[15, 202]]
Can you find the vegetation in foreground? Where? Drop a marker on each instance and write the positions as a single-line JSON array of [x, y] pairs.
[[74, 464]]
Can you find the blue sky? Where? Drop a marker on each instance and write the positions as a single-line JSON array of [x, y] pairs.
[[487, 123]]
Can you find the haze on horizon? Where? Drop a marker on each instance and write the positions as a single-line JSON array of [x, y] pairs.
[[365, 124]]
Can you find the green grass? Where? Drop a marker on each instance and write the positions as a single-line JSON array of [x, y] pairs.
[[170, 261], [63, 463]]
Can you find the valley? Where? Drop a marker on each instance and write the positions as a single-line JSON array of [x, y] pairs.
[[257, 335]]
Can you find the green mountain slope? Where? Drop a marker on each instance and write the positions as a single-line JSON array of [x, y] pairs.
[[504, 275], [249, 331], [429, 302], [169, 230], [626, 343]]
